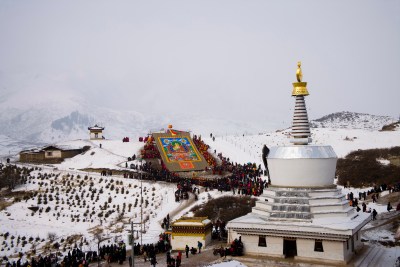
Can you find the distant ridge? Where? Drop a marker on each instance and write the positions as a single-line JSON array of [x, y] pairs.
[[352, 120]]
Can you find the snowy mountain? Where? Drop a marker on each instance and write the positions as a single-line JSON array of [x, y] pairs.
[[352, 120], [69, 120], [49, 116], [49, 109], [10, 147]]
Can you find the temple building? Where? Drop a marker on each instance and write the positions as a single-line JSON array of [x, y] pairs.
[[96, 132], [190, 230], [50, 154], [302, 214]]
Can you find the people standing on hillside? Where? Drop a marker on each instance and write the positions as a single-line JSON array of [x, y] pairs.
[[199, 246], [374, 213], [153, 261], [389, 207], [187, 251], [168, 258]]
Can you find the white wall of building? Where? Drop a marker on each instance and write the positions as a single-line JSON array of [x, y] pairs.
[[274, 246], [302, 172], [180, 242], [94, 136], [333, 250], [52, 154]]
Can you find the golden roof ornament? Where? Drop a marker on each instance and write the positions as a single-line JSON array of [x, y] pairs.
[[299, 87], [299, 74]]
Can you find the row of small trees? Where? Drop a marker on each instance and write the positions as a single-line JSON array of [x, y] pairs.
[[11, 176], [362, 168]]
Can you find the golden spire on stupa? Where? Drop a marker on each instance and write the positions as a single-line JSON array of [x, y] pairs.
[[300, 128], [299, 87]]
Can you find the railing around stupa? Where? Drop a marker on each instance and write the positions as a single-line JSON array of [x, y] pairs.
[[292, 194], [291, 201], [291, 208], [291, 215]]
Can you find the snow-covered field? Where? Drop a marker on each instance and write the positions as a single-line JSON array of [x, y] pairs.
[[248, 148], [72, 202]]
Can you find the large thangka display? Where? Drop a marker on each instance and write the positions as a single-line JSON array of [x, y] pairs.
[[178, 152], [177, 149]]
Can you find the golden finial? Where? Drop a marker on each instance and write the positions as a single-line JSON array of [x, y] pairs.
[[299, 88], [299, 74]]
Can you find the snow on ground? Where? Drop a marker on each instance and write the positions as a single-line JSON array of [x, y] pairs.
[[383, 161], [18, 220], [110, 155], [9, 147], [229, 264], [247, 148], [74, 205]]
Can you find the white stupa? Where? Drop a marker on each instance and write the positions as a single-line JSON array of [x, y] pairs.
[[302, 214]]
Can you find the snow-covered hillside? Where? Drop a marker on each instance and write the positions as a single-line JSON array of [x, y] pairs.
[[75, 202], [248, 148], [352, 120], [9, 147]]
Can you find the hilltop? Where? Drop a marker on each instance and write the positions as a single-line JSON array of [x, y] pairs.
[[352, 120]]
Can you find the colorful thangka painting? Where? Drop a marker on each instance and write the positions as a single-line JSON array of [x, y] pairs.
[[178, 149]]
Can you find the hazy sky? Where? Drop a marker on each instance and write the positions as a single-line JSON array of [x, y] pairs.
[[224, 58]]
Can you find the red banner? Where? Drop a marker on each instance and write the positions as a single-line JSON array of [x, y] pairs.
[[186, 165]]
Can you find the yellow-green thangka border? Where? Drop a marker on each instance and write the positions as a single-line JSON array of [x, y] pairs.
[[178, 137]]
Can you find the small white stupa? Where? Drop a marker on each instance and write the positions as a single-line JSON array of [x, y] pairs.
[[302, 214]]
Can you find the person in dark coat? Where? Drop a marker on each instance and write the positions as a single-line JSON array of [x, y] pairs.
[[389, 207], [374, 213], [187, 251], [265, 152], [199, 246], [153, 261]]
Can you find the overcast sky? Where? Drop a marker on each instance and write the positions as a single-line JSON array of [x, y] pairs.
[[222, 58]]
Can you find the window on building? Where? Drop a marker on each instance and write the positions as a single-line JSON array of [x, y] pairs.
[[96, 135], [49, 153], [262, 242], [357, 236], [347, 244], [318, 246]]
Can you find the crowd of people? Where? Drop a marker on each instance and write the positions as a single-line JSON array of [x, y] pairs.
[[115, 253], [150, 151], [149, 251], [106, 173], [235, 249], [373, 195], [203, 149], [74, 258], [241, 179]]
